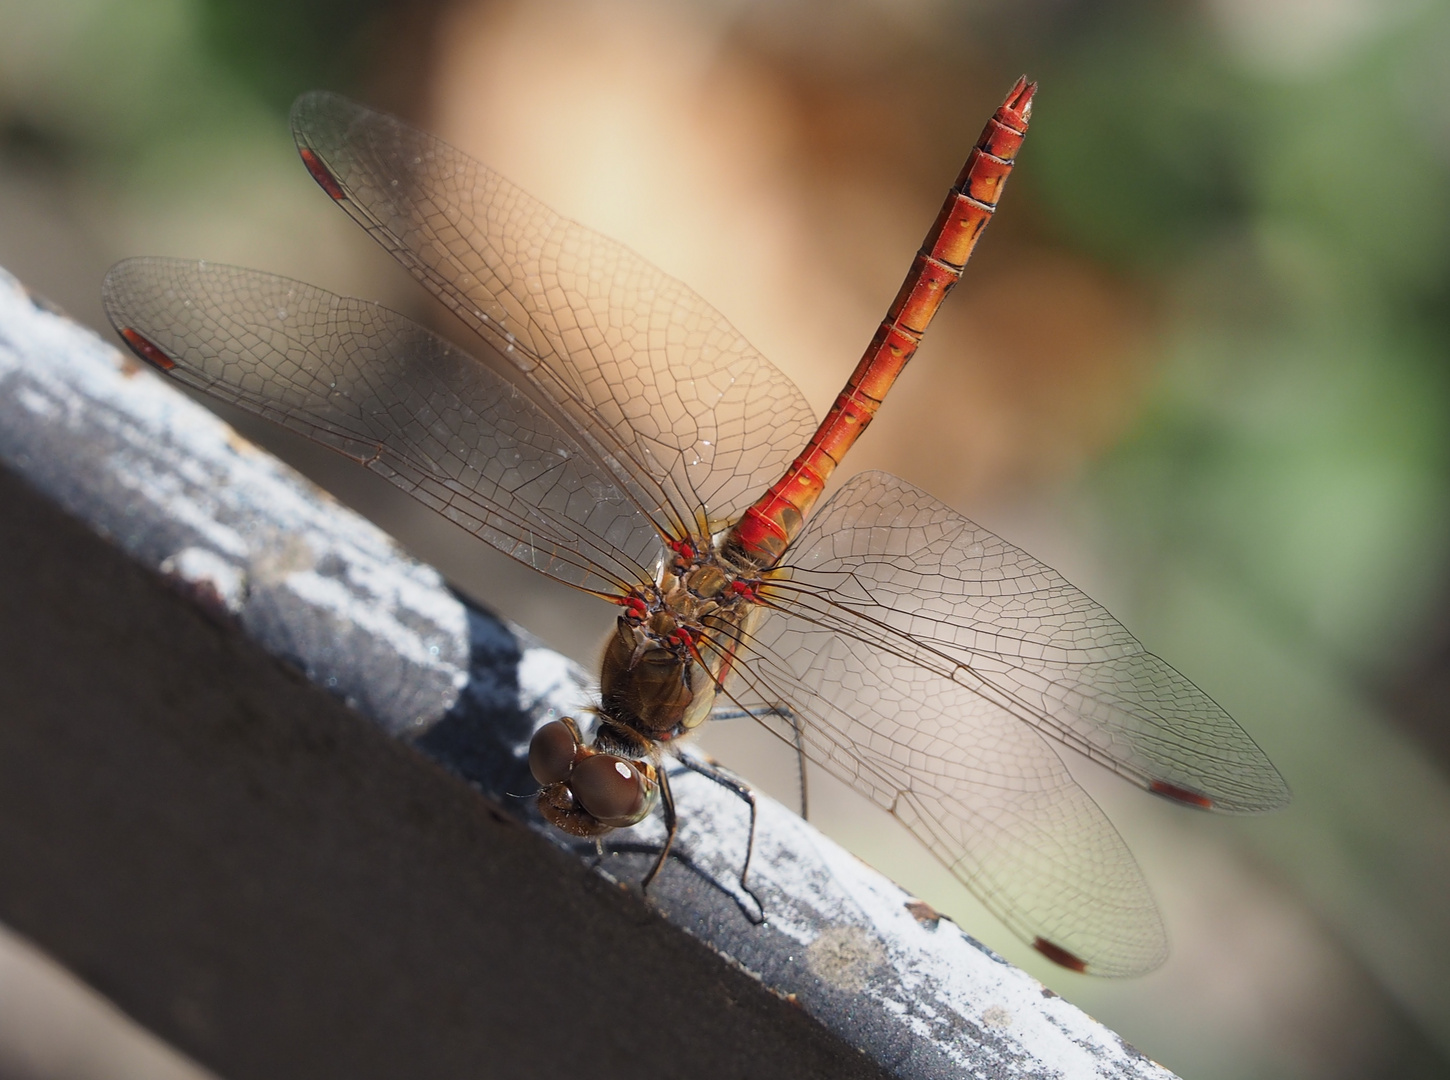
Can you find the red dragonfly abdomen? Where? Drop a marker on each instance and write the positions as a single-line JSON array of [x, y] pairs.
[[764, 531]]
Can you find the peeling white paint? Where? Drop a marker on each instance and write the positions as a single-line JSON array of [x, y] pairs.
[[198, 566], [552, 685], [143, 453]]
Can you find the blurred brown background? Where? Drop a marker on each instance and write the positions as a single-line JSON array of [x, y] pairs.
[[1200, 364]]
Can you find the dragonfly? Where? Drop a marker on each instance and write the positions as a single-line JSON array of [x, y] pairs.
[[611, 430]]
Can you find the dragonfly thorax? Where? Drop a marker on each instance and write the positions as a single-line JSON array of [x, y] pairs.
[[673, 643]]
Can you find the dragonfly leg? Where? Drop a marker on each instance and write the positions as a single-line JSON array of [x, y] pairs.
[[730, 783], [672, 826], [724, 712], [800, 764], [784, 712]]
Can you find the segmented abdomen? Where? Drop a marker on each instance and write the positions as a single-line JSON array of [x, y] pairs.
[[764, 531]]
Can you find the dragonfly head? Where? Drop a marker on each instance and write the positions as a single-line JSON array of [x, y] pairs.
[[587, 791]]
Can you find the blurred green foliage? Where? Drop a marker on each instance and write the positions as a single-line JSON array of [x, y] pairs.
[[280, 48], [1295, 226], [105, 80]]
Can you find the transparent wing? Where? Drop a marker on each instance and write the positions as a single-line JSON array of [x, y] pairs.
[[893, 568], [983, 791], [671, 393], [397, 398]]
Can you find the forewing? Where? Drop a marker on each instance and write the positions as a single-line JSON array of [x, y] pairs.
[[983, 791], [888, 565], [397, 398], [671, 392]]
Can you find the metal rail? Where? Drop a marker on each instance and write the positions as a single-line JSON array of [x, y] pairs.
[[335, 874]]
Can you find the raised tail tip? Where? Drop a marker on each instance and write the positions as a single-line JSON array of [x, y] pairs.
[[1019, 99]]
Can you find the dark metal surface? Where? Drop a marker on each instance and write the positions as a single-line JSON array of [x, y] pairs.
[[279, 889]]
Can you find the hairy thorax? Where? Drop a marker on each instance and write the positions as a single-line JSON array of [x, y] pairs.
[[674, 646]]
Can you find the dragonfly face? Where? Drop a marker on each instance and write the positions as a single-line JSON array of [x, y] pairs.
[[585, 790], [615, 433]]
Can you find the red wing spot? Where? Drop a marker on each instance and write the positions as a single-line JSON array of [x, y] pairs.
[[320, 173], [1058, 955], [1180, 794], [146, 350]]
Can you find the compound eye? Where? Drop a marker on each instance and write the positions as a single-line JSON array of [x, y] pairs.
[[551, 753], [611, 789]]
